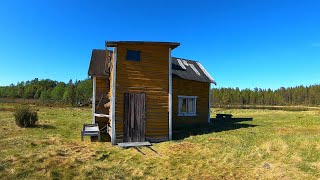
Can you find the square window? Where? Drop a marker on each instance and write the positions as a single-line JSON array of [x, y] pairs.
[[133, 55], [187, 105]]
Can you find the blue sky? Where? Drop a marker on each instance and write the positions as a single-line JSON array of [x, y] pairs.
[[246, 44]]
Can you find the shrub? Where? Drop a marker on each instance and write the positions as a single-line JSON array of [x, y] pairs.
[[25, 117]]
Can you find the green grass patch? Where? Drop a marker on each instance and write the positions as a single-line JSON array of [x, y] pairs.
[[275, 144]]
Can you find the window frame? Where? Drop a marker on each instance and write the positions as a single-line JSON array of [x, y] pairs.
[[135, 51], [180, 101]]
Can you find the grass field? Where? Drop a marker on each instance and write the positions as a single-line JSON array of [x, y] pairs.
[[275, 144]]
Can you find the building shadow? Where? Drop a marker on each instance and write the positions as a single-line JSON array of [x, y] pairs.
[[216, 125]]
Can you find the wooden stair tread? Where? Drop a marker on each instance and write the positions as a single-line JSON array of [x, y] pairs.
[[134, 144]]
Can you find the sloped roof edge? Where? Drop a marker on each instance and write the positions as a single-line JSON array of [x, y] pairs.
[[98, 62]]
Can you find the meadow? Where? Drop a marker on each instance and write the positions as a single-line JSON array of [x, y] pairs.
[[275, 144]]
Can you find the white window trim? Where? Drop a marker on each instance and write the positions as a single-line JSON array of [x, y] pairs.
[[180, 103]]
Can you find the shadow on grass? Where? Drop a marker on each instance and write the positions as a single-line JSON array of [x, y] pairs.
[[216, 125], [44, 126]]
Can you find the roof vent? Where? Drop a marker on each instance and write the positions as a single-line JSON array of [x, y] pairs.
[[194, 69], [181, 64]]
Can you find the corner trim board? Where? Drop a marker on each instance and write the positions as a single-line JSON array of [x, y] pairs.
[[113, 98], [170, 95]]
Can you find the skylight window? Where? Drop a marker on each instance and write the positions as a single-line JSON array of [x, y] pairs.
[[181, 64], [194, 69], [205, 72], [185, 62]]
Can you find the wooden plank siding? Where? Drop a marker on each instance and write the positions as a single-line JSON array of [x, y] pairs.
[[102, 89], [182, 87], [149, 76]]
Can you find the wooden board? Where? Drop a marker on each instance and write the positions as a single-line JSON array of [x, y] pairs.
[[134, 144], [102, 89]]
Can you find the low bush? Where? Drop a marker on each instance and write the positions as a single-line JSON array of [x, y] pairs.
[[25, 117]]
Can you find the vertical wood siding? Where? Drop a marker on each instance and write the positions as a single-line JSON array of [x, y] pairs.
[[102, 89], [149, 76], [134, 118], [190, 88]]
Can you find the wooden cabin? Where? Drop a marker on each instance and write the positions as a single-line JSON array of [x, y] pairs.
[[140, 92]]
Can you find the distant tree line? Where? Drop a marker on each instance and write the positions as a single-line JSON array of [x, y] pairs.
[[50, 91], [299, 95], [80, 91]]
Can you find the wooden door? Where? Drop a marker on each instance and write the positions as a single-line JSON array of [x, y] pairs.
[[134, 117]]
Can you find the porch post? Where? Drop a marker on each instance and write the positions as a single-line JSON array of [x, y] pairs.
[[209, 103], [94, 84]]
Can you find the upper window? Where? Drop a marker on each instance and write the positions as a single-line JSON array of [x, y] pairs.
[[187, 105], [133, 55]]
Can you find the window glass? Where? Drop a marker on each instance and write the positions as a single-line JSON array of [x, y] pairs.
[[184, 105], [190, 105], [133, 55]]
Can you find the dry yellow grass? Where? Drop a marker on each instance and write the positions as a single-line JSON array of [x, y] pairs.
[[275, 145]]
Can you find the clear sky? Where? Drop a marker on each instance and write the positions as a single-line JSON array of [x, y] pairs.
[[247, 43]]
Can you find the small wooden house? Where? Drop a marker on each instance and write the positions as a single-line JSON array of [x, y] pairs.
[[140, 92]]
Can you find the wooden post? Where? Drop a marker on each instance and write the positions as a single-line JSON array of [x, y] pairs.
[[170, 95], [209, 103], [113, 98], [94, 84]]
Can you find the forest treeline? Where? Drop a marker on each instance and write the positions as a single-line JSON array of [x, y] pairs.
[[80, 91], [299, 95], [48, 90]]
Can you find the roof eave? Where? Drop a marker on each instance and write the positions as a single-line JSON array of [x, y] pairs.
[[173, 45]]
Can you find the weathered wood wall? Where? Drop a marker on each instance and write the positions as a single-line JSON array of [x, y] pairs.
[[102, 89], [150, 76], [184, 87]]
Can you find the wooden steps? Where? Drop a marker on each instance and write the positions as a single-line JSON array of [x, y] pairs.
[[134, 144]]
